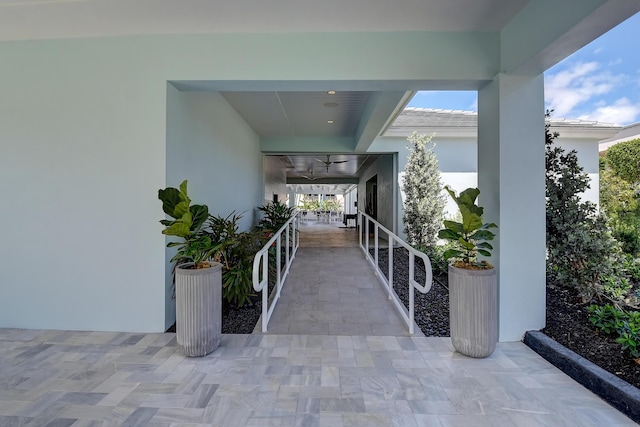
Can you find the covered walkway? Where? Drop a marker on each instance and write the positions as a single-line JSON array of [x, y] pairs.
[[334, 356]]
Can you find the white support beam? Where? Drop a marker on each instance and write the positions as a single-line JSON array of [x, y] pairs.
[[511, 181]]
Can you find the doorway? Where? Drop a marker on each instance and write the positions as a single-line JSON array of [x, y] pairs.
[[371, 198]]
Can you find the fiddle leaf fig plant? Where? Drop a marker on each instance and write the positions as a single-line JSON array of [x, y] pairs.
[[187, 223], [469, 237]]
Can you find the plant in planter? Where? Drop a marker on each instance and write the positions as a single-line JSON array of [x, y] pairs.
[[275, 215], [473, 287], [198, 280]]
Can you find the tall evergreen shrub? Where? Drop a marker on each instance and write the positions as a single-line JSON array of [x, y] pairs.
[[620, 193], [624, 159], [580, 248], [424, 200]]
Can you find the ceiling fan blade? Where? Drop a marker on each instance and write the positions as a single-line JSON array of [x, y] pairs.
[[339, 161]]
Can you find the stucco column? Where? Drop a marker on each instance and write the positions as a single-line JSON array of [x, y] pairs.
[[512, 190]]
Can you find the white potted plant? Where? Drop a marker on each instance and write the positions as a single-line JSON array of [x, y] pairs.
[[198, 279], [473, 286]]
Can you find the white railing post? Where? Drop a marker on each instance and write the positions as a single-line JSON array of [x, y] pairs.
[[278, 261], [286, 249], [390, 276], [359, 229], [375, 242], [366, 233], [265, 292], [412, 263]]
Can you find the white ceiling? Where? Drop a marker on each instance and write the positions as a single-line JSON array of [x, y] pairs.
[[290, 114], [42, 19]]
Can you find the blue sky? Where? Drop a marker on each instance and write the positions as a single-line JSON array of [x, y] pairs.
[[599, 82]]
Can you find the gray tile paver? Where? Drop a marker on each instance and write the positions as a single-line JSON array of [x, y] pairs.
[[295, 380], [369, 373]]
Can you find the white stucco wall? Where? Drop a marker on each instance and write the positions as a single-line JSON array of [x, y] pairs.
[[212, 147], [458, 163], [587, 152], [83, 131], [83, 155]]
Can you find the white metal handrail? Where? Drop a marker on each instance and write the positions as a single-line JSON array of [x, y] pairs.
[[261, 264], [407, 314]]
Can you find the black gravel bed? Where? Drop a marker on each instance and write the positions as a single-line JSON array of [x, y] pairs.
[[432, 308]]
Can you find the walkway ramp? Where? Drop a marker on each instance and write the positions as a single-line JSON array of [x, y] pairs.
[[333, 290]]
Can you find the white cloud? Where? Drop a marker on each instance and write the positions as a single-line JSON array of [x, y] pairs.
[[576, 85], [621, 111]]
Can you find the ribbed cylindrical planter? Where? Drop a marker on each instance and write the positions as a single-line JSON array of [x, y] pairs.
[[473, 310], [198, 309]]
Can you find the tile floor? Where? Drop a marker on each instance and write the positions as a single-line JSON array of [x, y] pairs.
[[63, 378], [354, 378]]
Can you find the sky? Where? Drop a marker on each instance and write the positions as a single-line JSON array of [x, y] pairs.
[[600, 82]]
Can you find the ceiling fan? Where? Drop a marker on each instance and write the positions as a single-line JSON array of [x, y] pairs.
[[310, 176], [328, 162]]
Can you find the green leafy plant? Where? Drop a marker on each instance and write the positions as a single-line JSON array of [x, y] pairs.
[[470, 237], [439, 264], [631, 267], [615, 287], [187, 224], [275, 215], [626, 324], [624, 159], [607, 318], [620, 198], [237, 250]]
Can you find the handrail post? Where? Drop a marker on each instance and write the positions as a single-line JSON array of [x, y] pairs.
[[286, 249], [390, 266], [265, 292], [359, 229], [366, 234], [412, 261], [278, 263], [375, 242]]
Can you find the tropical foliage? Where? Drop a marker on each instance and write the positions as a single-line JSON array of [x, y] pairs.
[[236, 255], [205, 236], [275, 215], [187, 224], [470, 237]]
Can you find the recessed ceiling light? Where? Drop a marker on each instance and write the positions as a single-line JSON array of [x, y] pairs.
[[330, 104], [330, 122], [331, 92]]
